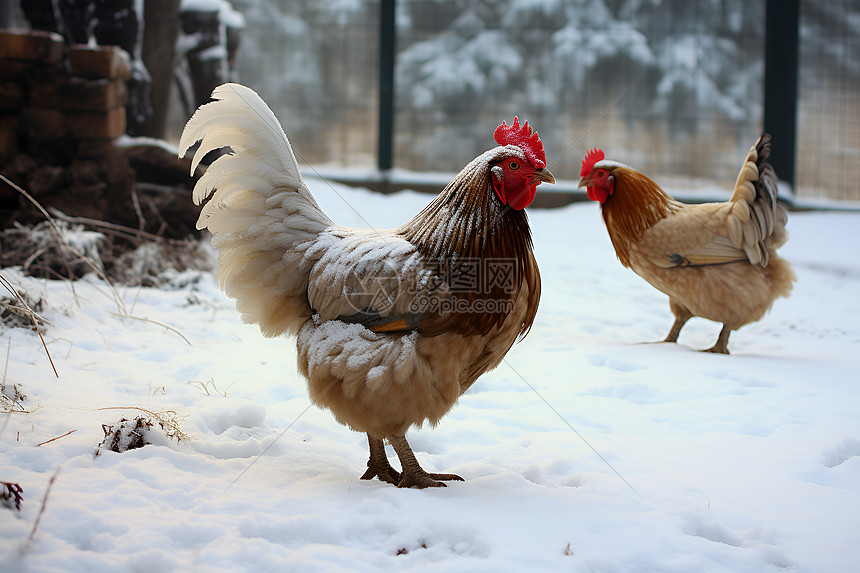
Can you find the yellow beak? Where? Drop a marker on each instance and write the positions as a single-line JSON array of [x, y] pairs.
[[585, 181], [544, 176]]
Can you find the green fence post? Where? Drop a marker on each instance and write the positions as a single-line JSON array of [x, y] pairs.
[[780, 83], [385, 144]]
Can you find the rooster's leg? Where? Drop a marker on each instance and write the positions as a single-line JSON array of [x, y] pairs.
[[722, 345], [413, 475], [377, 465], [682, 315]]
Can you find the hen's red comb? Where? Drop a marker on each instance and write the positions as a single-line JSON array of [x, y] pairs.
[[591, 158], [524, 138]]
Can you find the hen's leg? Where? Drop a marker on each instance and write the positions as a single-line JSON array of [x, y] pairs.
[[722, 345], [682, 315], [413, 475], [377, 465]]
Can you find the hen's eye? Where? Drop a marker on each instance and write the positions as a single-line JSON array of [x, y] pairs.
[[513, 165]]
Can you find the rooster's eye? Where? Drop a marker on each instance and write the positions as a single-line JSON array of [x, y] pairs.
[[513, 165]]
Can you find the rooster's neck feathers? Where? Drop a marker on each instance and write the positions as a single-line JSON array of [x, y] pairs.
[[635, 206], [466, 219], [467, 224]]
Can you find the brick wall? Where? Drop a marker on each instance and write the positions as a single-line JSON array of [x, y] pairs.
[[62, 108]]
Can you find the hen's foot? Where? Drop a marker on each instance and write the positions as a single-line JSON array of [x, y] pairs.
[[377, 465], [722, 344], [682, 315]]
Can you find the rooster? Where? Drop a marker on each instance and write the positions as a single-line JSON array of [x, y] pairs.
[[715, 260], [393, 325]]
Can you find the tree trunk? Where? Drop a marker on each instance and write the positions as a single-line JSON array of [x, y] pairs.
[[161, 18]]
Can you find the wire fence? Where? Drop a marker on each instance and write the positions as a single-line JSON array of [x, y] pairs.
[[828, 150], [674, 89], [671, 87]]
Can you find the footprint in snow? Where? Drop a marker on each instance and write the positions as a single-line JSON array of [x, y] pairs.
[[615, 363], [707, 526], [849, 448]]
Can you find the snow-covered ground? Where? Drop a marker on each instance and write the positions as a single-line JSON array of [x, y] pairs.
[[740, 463]]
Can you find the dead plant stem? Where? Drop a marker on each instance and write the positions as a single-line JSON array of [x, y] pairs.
[[29, 541], [21, 301]]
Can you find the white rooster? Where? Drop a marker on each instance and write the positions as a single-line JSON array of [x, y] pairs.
[[392, 325]]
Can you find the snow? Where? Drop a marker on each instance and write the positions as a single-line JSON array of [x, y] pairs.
[[478, 63], [227, 14], [740, 463]]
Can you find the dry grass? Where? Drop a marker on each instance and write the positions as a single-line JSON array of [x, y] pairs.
[[29, 541], [11, 494], [168, 420], [11, 397], [19, 308], [211, 382], [23, 307]]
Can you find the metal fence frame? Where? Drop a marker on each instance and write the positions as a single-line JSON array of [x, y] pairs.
[[782, 30]]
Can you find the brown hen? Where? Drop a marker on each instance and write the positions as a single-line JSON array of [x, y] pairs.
[[714, 260]]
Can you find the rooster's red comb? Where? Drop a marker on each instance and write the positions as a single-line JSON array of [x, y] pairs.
[[524, 138], [591, 158]]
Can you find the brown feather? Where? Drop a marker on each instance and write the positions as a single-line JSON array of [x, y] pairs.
[[635, 207], [465, 224], [715, 260]]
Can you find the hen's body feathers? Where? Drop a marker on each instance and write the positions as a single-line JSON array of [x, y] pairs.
[[714, 260]]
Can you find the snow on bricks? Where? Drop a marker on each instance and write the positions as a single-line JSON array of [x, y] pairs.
[[62, 112]]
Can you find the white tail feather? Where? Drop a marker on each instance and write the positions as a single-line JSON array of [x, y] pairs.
[[260, 211]]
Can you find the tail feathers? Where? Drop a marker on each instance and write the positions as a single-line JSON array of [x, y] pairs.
[[259, 210], [261, 162], [758, 221], [237, 110], [269, 286]]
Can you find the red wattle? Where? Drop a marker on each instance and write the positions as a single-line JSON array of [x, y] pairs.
[[596, 194], [525, 198]]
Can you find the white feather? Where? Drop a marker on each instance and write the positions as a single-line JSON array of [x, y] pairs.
[[259, 209]]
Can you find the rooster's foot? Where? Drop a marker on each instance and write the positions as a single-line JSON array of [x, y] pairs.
[[377, 465], [387, 474], [413, 474], [422, 479]]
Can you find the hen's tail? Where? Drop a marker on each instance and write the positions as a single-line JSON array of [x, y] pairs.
[[759, 224], [259, 209]]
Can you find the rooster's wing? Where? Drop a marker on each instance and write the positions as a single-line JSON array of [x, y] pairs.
[[375, 278]]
